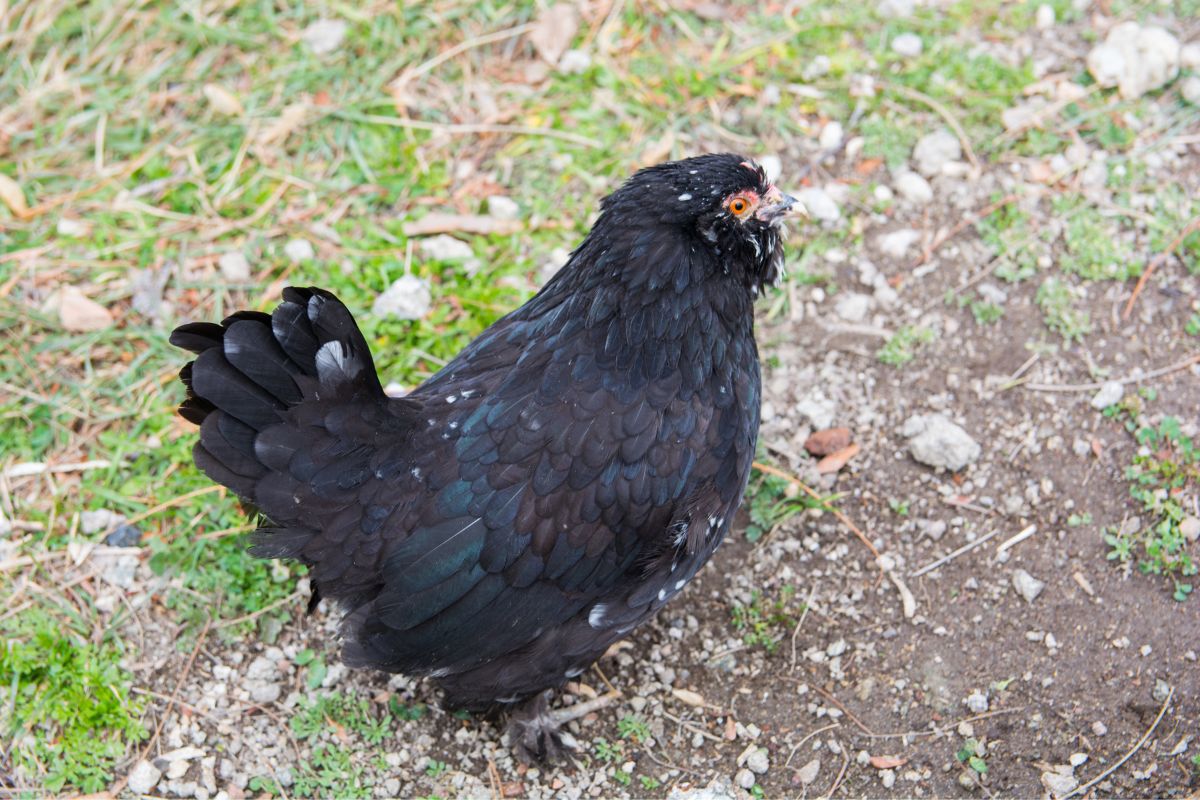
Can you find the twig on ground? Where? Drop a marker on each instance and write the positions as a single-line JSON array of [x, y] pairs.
[[1092, 387], [225, 623], [942, 112], [966, 548], [1188, 229], [494, 777], [758, 465], [803, 616], [183, 498], [841, 773], [808, 736], [28, 468], [579, 710], [1016, 539], [1141, 742]]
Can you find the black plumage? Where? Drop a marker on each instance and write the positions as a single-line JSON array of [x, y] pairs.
[[550, 488]]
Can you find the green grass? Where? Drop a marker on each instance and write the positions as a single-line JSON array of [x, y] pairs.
[[69, 712], [763, 622], [902, 346], [1165, 471], [1059, 310]]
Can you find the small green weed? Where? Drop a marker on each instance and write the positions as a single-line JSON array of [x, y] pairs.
[[772, 502], [1056, 300], [316, 667], [357, 714], [401, 710], [1166, 468], [330, 772], [901, 348], [69, 715], [633, 727], [1192, 326], [1094, 250], [264, 785], [622, 777], [606, 750], [972, 754], [436, 769], [649, 783], [899, 507], [761, 620]]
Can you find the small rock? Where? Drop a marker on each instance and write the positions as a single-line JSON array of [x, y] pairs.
[[1059, 782], [897, 243], [816, 68], [1099, 728], [143, 778], [74, 228], [977, 702], [124, 536], [234, 267], [1190, 90], [324, 35], [718, 789], [772, 165], [898, 9], [1189, 56], [1162, 690], [888, 776], [1044, 18], [408, 297], [298, 250], [1026, 585], [852, 306], [264, 693], [907, 45], [934, 151], [992, 293], [827, 441], [574, 62], [938, 442], [808, 773], [1078, 759], [502, 207], [1135, 59], [445, 247], [100, 519], [758, 762], [1189, 528], [745, 778], [820, 205], [831, 135], [1110, 394], [914, 188]]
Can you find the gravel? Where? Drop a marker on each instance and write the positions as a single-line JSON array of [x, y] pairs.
[[745, 778], [852, 306], [937, 442], [502, 207], [1026, 585], [977, 702], [934, 151], [897, 243], [298, 250], [913, 188], [820, 204], [907, 45], [143, 778], [234, 266], [808, 773], [324, 35], [758, 762]]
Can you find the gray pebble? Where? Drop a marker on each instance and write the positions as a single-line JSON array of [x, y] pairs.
[[1026, 585], [143, 777]]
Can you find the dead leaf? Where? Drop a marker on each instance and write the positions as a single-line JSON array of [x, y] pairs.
[[514, 789], [1097, 448], [13, 197], [290, 121], [439, 222], [887, 762], [223, 101], [689, 697], [835, 461], [554, 30], [830, 440], [730, 729], [79, 313]]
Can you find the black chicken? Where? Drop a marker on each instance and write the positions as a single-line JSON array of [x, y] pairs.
[[548, 490]]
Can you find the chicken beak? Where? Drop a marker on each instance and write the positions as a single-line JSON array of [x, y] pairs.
[[779, 206]]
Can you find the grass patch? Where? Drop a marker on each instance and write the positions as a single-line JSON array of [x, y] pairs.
[[1164, 474], [1057, 301], [763, 621], [69, 715], [901, 347]]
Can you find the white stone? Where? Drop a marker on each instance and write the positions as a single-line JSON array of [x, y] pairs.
[[1135, 59], [897, 8], [934, 151], [143, 778], [821, 206], [831, 135], [445, 247], [852, 306], [99, 520], [914, 188], [234, 266], [324, 35], [502, 207], [976, 702], [745, 778], [758, 762], [1045, 17], [298, 250], [72, 227], [1110, 394], [1026, 585], [897, 243], [574, 62], [1189, 56], [907, 45], [808, 773], [1190, 90], [408, 297], [937, 442]]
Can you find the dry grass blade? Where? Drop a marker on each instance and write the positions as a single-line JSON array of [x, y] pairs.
[[862, 537], [1188, 229]]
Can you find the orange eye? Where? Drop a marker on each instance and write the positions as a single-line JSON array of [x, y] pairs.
[[739, 205]]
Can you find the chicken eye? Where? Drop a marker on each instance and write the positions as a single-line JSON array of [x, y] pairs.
[[739, 205]]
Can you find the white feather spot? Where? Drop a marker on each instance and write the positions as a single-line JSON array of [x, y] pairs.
[[467, 393], [596, 615], [683, 198], [450, 398], [575, 672], [333, 358], [679, 585], [416, 473], [662, 594], [692, 171]]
